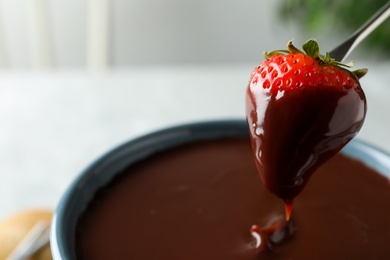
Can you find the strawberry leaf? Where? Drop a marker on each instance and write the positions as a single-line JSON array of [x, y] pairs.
[[311, 48], [327, 58], [360, 72], [275, 52], [340, 64], [292, 48]]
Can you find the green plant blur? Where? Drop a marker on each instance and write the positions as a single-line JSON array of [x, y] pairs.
[[343, 15]]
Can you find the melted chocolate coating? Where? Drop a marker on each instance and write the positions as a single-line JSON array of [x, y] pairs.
[[200, 201], [296, 131]]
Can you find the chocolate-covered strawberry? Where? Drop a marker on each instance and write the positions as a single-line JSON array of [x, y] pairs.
[[302, 108]]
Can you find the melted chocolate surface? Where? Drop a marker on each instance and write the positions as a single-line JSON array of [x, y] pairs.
[[201, 200]]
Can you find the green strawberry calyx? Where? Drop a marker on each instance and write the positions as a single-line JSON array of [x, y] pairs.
[[312, 49]]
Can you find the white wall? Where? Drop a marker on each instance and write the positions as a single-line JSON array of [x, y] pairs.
[[146, 31]]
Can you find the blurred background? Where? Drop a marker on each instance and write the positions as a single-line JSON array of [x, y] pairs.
[[78, 77], [116, 33], [76, 34]]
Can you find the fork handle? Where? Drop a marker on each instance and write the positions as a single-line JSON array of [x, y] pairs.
[[343, 50]]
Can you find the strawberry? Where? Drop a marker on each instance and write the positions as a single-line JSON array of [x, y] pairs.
[[302, 108]]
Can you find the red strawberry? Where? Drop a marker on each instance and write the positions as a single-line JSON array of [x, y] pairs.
[[302, 108]]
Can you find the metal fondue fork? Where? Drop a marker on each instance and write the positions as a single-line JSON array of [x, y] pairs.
[[343, 50]]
